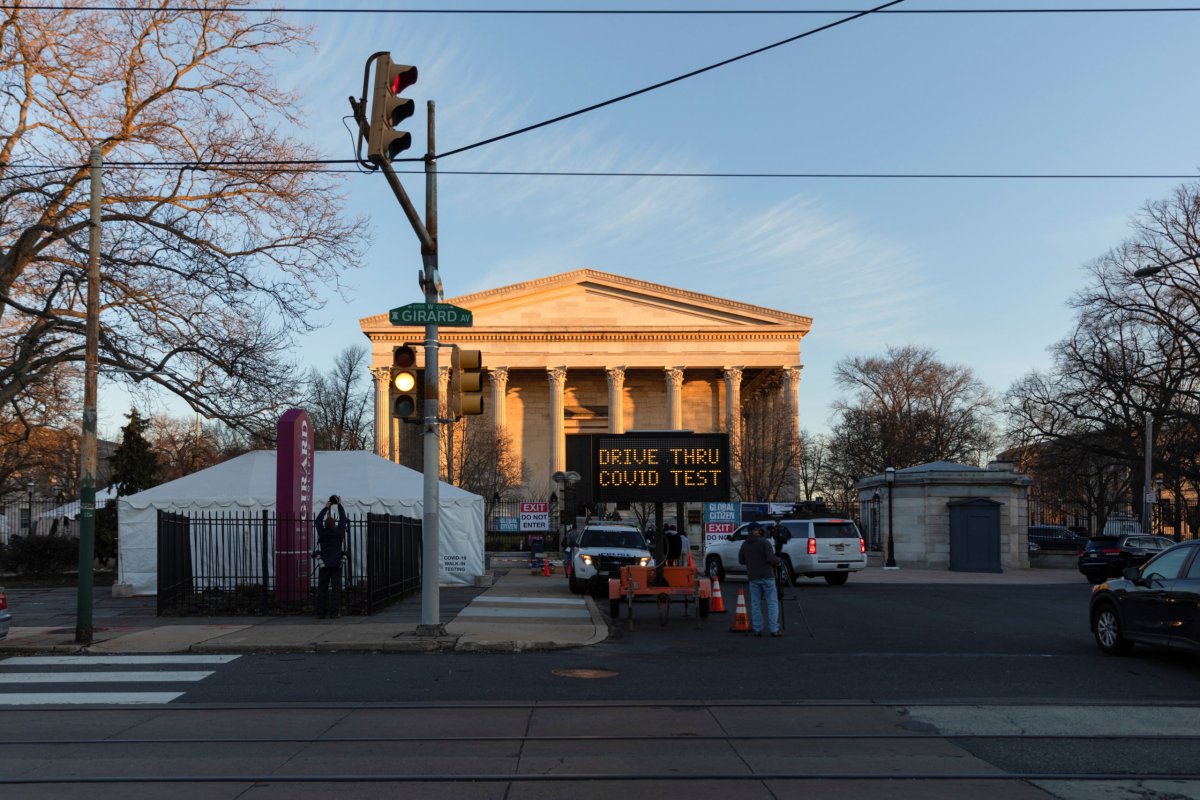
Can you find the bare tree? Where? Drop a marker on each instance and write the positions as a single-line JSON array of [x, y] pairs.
[[485, 461], [213, 254], [814, 450], [767, 459], [338, 403], [1133, 354], [909, 408], [183, 446]]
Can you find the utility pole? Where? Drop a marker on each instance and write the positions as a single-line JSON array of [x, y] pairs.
[[431, 624], [1146, 481], [87, 446]]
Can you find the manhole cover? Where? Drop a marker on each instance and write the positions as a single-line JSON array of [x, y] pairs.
[[585, 673]]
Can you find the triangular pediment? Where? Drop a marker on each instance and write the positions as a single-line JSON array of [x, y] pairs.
[[587, 299]]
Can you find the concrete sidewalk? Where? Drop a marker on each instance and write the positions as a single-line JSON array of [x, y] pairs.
[[519, 611]]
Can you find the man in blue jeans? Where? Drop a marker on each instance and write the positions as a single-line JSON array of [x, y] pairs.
[[758, 554]]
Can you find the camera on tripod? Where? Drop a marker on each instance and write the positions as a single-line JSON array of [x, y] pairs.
[[781, 536]]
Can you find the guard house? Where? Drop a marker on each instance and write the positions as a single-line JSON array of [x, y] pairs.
[[949, 516]]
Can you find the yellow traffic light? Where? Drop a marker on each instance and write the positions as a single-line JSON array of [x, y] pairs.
[[404, 381]]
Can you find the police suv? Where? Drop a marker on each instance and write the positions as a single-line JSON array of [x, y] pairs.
[[600, 551]]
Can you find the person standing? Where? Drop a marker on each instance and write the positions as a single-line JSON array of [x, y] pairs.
[[331, 539], [758, 554]]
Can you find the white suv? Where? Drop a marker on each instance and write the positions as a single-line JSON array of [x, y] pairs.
[[600, 551], [829, 547]]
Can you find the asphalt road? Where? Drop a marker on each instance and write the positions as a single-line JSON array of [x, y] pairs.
[[869, 642]]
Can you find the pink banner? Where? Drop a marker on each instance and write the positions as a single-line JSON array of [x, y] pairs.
[[293, 506]]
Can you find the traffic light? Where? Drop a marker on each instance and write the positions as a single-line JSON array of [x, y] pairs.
[[389, 109], [406, 404], [466, 382]]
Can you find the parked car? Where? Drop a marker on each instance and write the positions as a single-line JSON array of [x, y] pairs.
[[5, 614], [1056, 538], [826, 547], [1157, 604], [1108, 556], [600, 552]]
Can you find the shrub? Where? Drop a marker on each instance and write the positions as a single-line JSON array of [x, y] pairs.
[[40, 555]]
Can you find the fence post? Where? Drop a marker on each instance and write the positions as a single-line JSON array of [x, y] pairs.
[[266, 554]]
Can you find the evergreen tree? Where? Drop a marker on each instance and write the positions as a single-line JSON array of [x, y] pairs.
[[134, 464]]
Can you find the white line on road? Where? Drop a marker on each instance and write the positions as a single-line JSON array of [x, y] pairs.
[[103, 677], [45, 661], [86, 698]]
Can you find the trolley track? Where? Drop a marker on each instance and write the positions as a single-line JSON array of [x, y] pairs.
[[716, 748]]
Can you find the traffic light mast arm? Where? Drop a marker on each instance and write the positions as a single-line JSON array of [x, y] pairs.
[[427, 243]]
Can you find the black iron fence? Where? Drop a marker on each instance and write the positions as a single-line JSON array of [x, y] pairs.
[[227, 564], [1178, 519], [38, 517]]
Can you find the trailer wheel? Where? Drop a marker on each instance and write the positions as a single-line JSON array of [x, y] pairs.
[[702, 607], [614, 609]]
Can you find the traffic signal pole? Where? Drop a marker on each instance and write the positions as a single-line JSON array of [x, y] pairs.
[[431, 624]]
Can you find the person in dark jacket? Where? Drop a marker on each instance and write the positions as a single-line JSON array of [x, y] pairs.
[[331, 539], [758, 554]]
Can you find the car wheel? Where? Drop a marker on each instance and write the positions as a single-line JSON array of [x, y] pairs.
[[575, 586], [789, 571], [1107, 626], [836, 578], [614, 609], [713, 568]]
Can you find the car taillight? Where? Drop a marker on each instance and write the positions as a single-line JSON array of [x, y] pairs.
[[812, 547], [3, 600], [1111, 552], [862, 546]]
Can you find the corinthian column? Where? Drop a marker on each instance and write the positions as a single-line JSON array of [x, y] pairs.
[[558, 438], [674, 376], [383, 412], [791, 390], [733, 403], [616, 398], [498, 378]]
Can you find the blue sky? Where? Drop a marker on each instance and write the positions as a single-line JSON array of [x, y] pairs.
[[979, 270]]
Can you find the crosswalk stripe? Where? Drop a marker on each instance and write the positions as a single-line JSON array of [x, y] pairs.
[[46, 661], [103, 677], [86, 698]]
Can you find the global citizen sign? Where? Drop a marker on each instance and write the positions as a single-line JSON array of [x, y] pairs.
[[293, 505]]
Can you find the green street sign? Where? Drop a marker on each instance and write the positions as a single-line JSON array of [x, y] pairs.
[[431, 313]]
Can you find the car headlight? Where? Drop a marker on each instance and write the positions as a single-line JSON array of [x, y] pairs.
[[586, 559], [644, 562]]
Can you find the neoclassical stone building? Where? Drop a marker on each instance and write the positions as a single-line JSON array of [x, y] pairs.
[[591, 352]]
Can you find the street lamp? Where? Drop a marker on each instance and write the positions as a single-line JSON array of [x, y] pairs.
[[889, 477]]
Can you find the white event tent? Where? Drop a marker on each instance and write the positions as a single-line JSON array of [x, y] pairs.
[[365, 482]]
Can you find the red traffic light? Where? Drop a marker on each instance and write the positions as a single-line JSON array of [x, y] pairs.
[[404, 357], [403, 77]]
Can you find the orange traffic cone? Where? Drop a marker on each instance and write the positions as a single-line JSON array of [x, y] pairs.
[[718, 603], [741, 620]]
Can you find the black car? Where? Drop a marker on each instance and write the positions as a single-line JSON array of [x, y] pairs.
[[1157, 603], [1056, 538], [1109, 556]]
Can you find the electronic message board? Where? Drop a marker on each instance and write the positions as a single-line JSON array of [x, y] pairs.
[[660, 467]]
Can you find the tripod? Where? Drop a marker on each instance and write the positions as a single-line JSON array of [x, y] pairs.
[[782, 581]]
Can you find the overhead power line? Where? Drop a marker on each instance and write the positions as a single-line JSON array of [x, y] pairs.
[[309, 164], [609, 11], [669, 81]]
